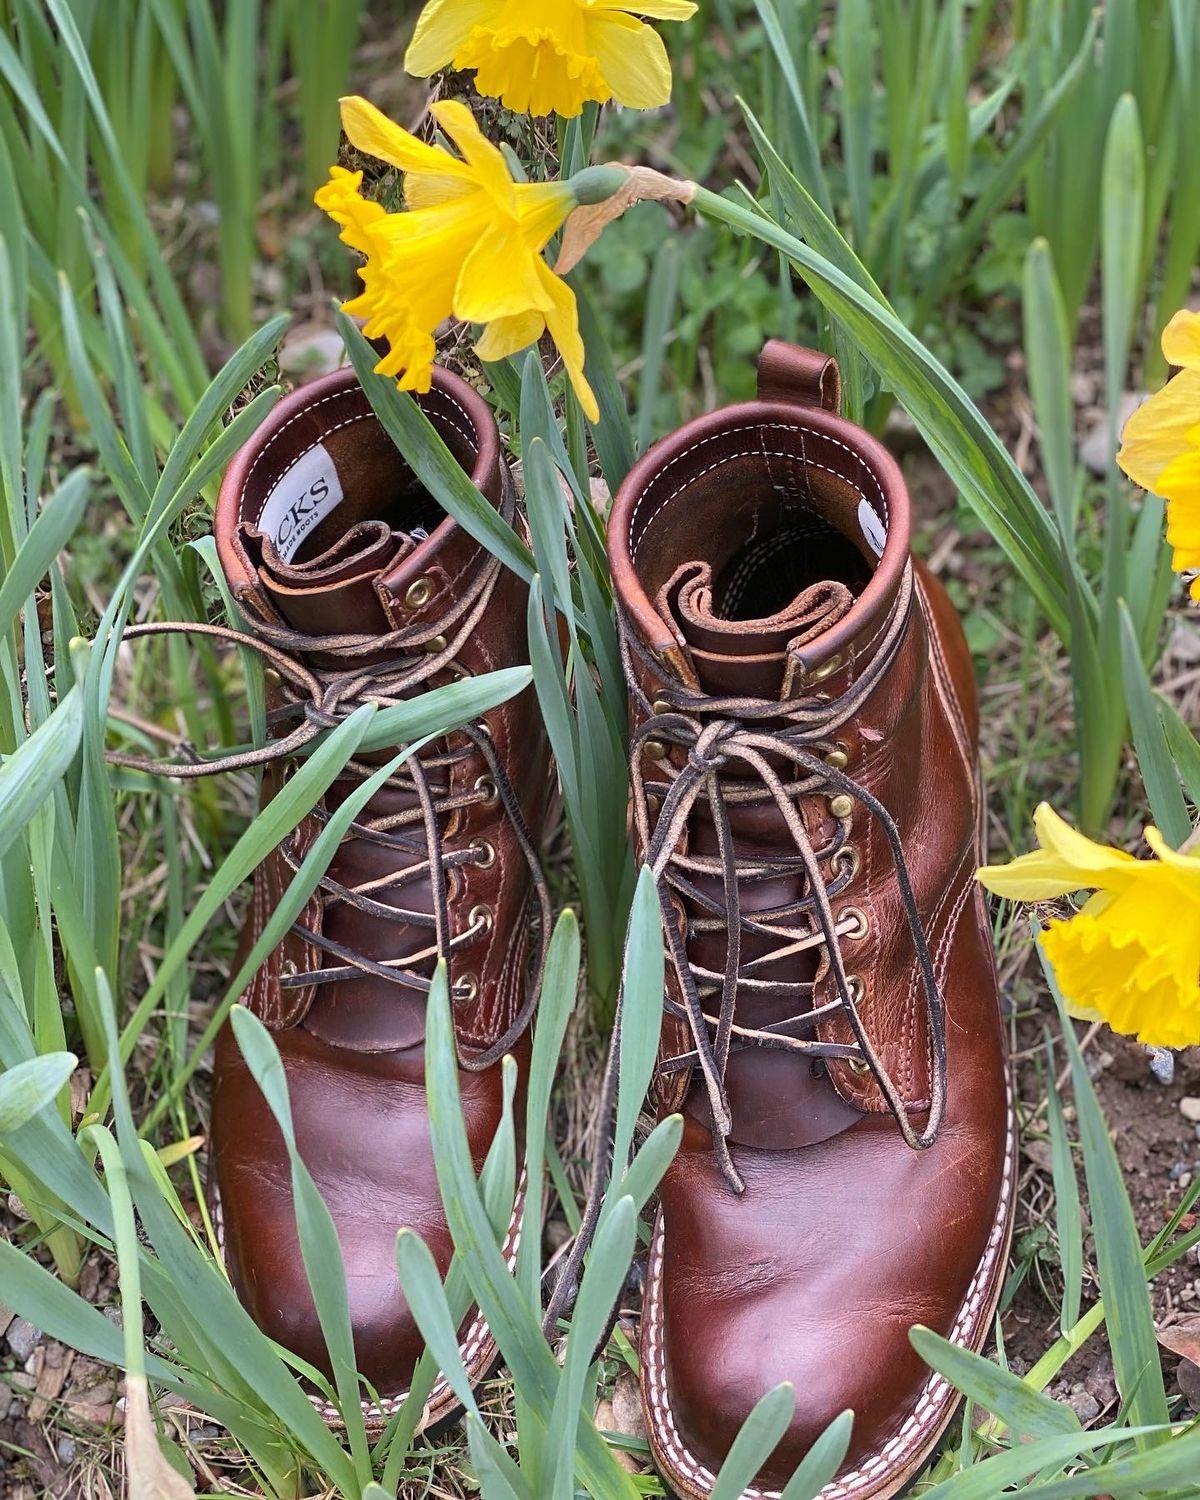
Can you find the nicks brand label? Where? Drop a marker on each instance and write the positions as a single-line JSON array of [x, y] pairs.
[[300, 501]]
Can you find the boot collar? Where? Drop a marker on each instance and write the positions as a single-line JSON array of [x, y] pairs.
[[323, 449], [766, 456]]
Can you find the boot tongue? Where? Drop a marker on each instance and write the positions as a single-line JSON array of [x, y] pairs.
[[738, 655], [777, 1102]]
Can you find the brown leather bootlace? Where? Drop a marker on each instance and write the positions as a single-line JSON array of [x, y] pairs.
[[323, 697], [760, 734]]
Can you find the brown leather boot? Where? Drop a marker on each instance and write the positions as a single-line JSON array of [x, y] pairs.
[[344, 564], [805, 789]]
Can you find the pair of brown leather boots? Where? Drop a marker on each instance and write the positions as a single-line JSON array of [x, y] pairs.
[[805, 789]]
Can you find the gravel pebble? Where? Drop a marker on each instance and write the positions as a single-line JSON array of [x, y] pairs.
[[23, 1338], [1084, 1405], [1189, 1108]]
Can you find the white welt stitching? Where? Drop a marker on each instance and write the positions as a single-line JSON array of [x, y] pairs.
[[927, 1411]]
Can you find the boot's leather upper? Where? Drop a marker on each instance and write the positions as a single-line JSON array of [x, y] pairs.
[[364, 589], [805, 787]]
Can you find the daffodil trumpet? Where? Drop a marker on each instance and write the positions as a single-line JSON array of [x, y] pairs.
[[1160, 447], [1131, 955], [544, 57]]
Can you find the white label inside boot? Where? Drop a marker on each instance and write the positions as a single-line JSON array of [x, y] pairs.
[[873, 528], [300, 501]]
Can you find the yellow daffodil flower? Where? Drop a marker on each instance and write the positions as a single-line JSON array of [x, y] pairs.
[[1131, 955], [551, 56], [1160, 448], [469, 246]]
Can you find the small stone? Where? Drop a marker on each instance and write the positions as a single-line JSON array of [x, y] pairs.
[[1162, 1065], [23, 1339], [1189, 1108], [1084, 1405], [1180, 1169], [65, 1450], [1102, 1384]]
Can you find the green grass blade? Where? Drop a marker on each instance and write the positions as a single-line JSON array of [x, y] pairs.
[[1029, 1413], [604, 1276], [1150, 740], [1048, 354], [1184, 747], [821, 1463], [320, 1249], [429, 458], [660, 317], [1128, 1313], [760, 1435], [48, 535], [1067, 1215], [27, 1088], [36, 767]]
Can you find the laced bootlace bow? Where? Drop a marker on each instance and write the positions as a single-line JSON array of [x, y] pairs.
[[386, 670], [783, 751]]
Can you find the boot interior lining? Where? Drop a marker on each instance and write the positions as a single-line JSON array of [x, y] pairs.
[[335, 467], [771, 515]]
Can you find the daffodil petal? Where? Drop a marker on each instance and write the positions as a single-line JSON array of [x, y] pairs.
[[507, 336], [655, 10], [499, 279], [485, 161], [371, 132], [1181, 340], [633, 59], [563, 323], [443, 27], [1188, 865], [1086, 858], [1158, 431]]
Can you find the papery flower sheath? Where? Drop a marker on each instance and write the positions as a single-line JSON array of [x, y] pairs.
[[1160, 448], [551, 56], [1131, 955], [468, 246]]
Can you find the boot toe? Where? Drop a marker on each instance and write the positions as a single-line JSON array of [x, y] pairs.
[[367, 1145]]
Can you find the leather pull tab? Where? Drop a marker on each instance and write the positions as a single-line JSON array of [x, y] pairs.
[[803, 377]]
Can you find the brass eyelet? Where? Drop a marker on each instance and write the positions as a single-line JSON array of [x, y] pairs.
[[827, 668], [849, 856], [481, 916], [485, 853], [653, 802], [841, 806], [861, 926], [487, 786], [661, 706], [435, 646], [419, 593], [654, 750], [859, 1065], [838, 759], [466, 989]]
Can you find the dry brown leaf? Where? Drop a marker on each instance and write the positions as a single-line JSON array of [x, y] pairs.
[[1183, 1338], [151, 1477], [588, 223]]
